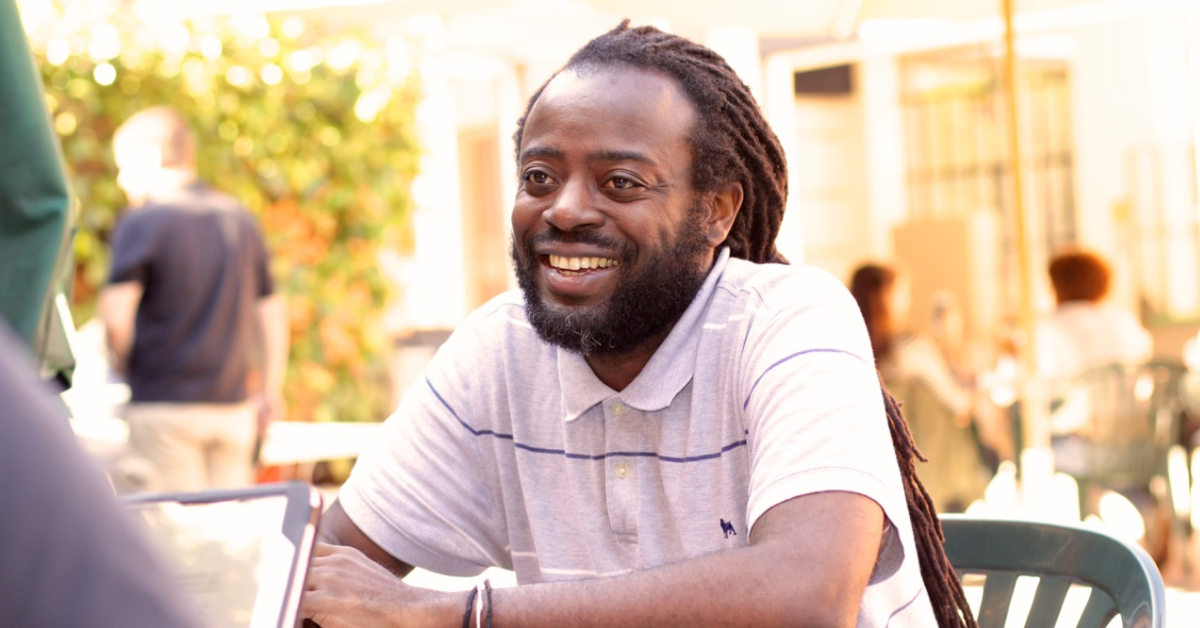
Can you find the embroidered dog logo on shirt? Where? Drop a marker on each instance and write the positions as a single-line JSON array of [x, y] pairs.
[[727, 528]]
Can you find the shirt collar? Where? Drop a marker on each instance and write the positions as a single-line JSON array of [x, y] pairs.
[[668, 371]]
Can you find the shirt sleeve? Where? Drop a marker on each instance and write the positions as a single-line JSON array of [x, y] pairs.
[[423, 493], [133, 249], [814, 408]]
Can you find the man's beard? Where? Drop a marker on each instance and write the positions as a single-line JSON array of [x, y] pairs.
[[644, 305]]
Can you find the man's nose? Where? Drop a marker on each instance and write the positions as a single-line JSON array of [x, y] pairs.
[[574, 208]]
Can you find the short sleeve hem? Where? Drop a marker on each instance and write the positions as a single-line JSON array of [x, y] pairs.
[[820, 481], [394, 541]]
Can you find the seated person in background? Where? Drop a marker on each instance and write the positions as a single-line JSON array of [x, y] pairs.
[[1085, 331], [72, 556], [662, 427], [940, 408], [1082, 333]]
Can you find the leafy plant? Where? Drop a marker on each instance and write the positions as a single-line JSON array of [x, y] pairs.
[[313, 131]]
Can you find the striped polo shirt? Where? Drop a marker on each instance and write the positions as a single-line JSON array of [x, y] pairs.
[[511, 453]]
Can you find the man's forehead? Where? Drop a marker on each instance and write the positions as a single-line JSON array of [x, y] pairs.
[[616, 76], [620, 97]]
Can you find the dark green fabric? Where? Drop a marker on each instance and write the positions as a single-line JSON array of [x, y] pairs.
[[35, 206]]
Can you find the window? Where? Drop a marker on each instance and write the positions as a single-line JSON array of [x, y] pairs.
[[957, 140]]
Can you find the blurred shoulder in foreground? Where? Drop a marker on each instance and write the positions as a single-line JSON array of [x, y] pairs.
[[73, 557]]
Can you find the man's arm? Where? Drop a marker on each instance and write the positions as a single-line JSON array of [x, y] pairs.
[[337, 529], [271, 312], [808, 564], [118, 310]]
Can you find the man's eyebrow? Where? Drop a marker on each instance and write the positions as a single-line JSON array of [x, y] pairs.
[[619, 155], [543, 152]]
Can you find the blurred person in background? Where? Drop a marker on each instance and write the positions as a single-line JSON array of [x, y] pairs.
[[189, 300], [1084, 330], [955, 426], [73, 557]]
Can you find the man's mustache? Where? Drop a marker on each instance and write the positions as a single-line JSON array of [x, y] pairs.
[[558, 236]]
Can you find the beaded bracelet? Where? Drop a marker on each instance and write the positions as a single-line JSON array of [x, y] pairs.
[[470, 605], [487, 587]]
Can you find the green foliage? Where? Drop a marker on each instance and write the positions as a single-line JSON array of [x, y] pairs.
[[279, 111]]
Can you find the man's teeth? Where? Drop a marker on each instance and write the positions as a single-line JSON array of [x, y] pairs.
[[580, 263]]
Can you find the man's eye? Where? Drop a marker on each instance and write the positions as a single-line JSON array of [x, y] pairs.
[[623, 183], [537, 177]]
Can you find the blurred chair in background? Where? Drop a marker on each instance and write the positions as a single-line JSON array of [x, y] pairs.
[[1127, 419]]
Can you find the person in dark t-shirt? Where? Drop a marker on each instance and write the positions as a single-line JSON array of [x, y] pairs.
[[189, 296]]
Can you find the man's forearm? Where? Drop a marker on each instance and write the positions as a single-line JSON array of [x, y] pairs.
[[273, 324], [118, 305], [120, 344], [752, 587], [813, 573], [808, 564]]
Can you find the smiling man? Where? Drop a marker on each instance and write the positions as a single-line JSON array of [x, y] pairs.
[[662, 427]]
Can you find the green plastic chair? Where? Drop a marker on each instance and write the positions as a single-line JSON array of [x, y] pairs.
[[1122, 578], [1133, 420]]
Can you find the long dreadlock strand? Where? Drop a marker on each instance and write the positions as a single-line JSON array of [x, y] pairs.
[[945, 591]]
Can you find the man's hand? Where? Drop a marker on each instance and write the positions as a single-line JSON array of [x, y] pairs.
[[345, 589], [269, 408]]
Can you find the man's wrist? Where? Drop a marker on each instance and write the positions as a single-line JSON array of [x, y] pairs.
[[440, 610]]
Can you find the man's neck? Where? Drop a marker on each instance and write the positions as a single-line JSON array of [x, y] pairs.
[[168, 182], [618, 370]]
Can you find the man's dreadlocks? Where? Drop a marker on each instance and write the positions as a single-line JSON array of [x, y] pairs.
[[732, 142]]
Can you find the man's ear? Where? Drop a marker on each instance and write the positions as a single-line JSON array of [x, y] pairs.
[[723, 208]]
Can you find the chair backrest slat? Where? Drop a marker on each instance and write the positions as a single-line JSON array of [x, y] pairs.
[[1047, 602], [997, 597], [1099, 611]]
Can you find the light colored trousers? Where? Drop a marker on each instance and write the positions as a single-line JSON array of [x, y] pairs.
[[192, 446]]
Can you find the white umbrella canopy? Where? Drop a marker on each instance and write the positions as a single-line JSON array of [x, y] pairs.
[[771, 19]]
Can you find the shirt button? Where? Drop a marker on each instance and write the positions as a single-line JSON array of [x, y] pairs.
[[622, 471], [618, 409]]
